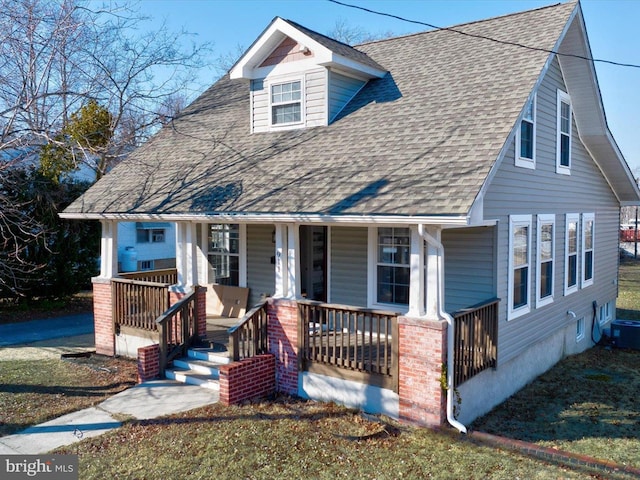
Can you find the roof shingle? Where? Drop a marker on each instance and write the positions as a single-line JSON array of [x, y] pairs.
[[420, 141]]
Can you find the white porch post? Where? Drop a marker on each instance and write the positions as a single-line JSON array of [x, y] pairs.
[[417, 275], [186, 254], [281, 265], [201, 255], [434, 296], [293, 244], [109, 249], [287, 267]]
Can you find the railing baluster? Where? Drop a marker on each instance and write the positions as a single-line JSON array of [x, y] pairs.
[[475, 340]]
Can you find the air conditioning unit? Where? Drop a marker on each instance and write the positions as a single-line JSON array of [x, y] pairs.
[[626, 334]]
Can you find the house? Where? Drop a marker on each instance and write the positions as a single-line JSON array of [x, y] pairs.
[[425, 223], [146, 246]]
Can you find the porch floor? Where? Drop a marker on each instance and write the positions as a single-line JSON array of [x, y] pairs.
[[217, 332]]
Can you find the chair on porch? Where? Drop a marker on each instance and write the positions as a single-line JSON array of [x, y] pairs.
[[226, 305]]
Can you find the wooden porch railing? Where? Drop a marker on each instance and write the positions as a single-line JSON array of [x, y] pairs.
[[249, 336], [138, 304], [349, 342], [168, 275], [178, 329], [475, 340]]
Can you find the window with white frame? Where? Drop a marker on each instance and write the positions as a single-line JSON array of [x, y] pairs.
[[588, 232], [571, 253], [286, 103], [519, 263], [546, 258], [563, 143], [580, 329], [224, 254], [526, 136], [604, 314], [393, 265]]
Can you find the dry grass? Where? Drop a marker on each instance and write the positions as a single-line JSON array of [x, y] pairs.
[[291, 438], [586, 404], [34, 391]]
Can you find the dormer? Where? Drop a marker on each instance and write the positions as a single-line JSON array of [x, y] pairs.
[[300, 78]]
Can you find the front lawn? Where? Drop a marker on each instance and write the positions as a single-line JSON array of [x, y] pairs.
[[37, 390], [290, 438]]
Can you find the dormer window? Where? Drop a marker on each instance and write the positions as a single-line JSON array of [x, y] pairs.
[[286, 103]]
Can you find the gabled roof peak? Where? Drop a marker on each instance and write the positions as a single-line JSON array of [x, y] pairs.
[[326, 52]]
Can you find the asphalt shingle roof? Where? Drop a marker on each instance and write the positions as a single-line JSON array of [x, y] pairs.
[[419, 141]]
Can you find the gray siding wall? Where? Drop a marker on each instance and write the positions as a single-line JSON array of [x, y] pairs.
[[349, 266], [260, 271], [342, 89], [315, 101], [516, 190], [316, 97], [259, 106], [469, 267]]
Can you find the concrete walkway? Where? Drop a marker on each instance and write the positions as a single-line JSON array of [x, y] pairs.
[[145, 401]]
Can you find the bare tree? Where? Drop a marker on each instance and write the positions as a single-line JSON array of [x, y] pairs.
[[354, 35], [58, 56]]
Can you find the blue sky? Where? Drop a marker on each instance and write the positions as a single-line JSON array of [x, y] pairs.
[[612, 27]]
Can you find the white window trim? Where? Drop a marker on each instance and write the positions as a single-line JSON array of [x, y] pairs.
[[546, 219], [514, 221], [580, 329], [290, 125], [569, 218], [372, 290], [523, 161], [584, 282], [605, 312], [563, 97], [242, 260]]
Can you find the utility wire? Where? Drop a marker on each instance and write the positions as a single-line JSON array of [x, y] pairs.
[[484, 37]]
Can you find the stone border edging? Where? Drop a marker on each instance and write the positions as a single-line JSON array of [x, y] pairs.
[[545, 453]]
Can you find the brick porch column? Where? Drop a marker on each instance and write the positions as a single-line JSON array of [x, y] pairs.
[[282, 327], [102, 317], [201, 298], [422, 352]]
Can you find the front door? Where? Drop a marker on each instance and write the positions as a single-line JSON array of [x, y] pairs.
[[313, 262]]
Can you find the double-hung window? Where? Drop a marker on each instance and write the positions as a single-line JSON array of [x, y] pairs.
[[588, 233], [526, 136], [519, 263], [571, 253], [563, 143], [286, 103], [546, 259], [392, 266], [224, 254]]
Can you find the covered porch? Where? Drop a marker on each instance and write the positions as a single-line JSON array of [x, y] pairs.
[[396, 356]]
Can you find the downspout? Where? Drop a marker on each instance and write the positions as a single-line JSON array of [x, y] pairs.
[[450, 330]]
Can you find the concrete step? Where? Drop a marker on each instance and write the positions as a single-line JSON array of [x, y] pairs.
[[209, 355], [203, 367], [192, 377]]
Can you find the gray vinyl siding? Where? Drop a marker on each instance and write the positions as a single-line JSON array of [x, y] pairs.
[[349, 266], [259, 106], [516, 191], [260, 271], [315, 98], [342, 89], [469, 267]]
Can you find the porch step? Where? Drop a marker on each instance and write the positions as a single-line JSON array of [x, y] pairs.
[[199, 367]]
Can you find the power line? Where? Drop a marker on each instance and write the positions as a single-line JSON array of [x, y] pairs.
[[484, 37]]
